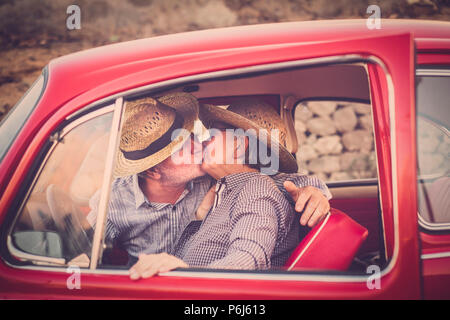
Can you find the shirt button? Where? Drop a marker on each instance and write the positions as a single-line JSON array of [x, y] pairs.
[[174, 208]]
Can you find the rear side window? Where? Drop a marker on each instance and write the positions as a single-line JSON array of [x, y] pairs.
[[11, 125], [433, 148]]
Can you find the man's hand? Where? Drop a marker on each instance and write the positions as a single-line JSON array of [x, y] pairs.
[[149, 265], [311, 201]]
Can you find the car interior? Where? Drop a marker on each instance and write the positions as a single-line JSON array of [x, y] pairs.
[[288, 89], [355, 202]]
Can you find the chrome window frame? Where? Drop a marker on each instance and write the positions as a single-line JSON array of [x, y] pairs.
[[261, 275], [113, 145], [426, 225]]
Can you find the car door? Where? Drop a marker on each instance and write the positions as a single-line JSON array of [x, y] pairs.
[[390, 61], [433, 80]]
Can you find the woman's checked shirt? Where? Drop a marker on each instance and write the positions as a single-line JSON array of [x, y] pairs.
[[251, 226]]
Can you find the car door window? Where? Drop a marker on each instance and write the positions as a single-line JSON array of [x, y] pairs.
[[335, 140], [433, 148], [52, 223]]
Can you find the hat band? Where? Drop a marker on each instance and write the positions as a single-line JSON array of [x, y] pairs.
[[156, 145]]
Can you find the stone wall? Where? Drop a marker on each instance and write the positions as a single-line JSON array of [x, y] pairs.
[[335, 140], [433, 148]]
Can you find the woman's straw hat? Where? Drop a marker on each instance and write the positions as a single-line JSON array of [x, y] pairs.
[[254, 114], [149, 124]]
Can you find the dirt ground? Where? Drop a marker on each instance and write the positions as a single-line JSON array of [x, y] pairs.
[[34, 32]]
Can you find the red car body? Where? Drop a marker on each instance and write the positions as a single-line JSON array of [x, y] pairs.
[[419, 264]]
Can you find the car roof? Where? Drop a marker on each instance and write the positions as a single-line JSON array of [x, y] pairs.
[[78, 72]]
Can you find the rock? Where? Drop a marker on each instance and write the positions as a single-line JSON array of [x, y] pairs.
[[340, 176], [427, 144], [360, 108], [358, 140], [322, 126], [419, 8], [322, 108], [365, 122], [235, 4], [329, 144], [301, 138], [322, 176], [300, 126], [311, 139], [363, 174], [249, 15], [353, 161], [426, 128], [429, 136], [444, 148], [302, 113], [431, 163], [215, 14], [345, 119], [302, 170], [4, 109], [325, 164], [323, 9], [306, 152]]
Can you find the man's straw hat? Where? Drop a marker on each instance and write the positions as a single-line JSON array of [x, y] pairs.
[[146, 138], [254, 114]]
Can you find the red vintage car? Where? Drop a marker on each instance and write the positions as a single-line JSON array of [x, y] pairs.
[[386, 161]]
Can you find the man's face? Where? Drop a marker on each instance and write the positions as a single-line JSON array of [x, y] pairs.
[[184, 165]]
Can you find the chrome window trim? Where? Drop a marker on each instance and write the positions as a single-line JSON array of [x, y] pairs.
[[432, 226], [94, 114], [420, 72], [217, 274], [437, 255], [394, 175], [55, 141], [32, 257], [113, 145], [345, 278], [380, 196], [353, 183]]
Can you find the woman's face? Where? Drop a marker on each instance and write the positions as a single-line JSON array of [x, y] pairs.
[[223, 146]]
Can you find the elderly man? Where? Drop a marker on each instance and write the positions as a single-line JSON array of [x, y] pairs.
[[155, 197]]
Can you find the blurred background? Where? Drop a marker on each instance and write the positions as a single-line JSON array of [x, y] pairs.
[[32, 32]]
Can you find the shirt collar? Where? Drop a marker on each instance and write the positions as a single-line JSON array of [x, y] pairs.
[[140, 197], [231, 181], [226, 184]]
